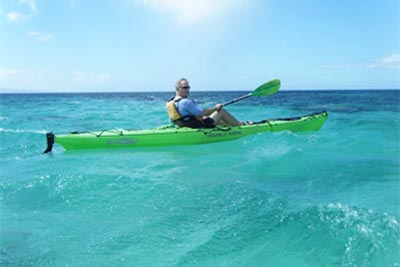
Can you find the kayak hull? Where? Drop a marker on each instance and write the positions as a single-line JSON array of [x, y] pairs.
[[172, 136]]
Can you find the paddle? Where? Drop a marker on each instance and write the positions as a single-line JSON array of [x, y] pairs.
[[265, 89]]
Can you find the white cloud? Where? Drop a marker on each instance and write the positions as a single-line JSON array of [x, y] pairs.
[[71, 4], [31, 4], [79, 76], [84, 77], [15, 80], [6, 73], [188, 12], [14, 16], [18, 74], [103, 77], [40, 37], [389, 62]]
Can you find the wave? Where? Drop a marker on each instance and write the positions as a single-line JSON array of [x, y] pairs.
[[22, 131], [227, 224], [344, 236]]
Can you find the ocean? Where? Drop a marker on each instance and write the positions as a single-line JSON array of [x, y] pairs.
[[326, 198]]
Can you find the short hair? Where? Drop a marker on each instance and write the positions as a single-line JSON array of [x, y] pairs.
[[178, 82]]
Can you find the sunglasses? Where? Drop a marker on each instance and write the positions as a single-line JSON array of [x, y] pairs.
[[185, 87]]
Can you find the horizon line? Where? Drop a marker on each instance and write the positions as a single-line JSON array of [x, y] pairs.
[[22, 91]]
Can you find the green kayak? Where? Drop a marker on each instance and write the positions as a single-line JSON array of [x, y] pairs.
[[171, 135]]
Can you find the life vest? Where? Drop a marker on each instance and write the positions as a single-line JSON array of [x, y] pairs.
[[172, 111], [188, 120]]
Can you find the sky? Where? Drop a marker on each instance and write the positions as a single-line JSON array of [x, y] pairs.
[[146, 45]]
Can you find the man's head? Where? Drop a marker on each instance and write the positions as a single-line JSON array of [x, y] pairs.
[[182, 88]]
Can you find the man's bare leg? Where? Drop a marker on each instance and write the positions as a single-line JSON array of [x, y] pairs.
[[223, 117]]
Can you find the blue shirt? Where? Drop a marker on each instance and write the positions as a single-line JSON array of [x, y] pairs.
[[187, 107]]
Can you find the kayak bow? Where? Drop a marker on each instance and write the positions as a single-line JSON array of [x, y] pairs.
[[171, 135]]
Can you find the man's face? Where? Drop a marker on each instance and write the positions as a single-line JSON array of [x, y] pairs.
[[183, 89]]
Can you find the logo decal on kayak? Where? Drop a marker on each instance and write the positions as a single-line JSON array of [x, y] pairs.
[[223, 134], [122, 141]]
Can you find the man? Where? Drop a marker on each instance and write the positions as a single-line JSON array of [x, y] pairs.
[[185, 112]]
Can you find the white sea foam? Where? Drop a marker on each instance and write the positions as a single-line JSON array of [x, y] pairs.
[[22, 131]]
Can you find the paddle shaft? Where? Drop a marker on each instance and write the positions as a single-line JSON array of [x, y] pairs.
[[265, 89], [237, 100]]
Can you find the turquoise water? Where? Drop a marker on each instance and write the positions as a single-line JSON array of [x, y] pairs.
[[326, 198]]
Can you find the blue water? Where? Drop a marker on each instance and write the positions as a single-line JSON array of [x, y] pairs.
[[326, 198]]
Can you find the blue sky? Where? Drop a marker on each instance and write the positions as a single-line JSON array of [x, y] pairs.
[[146, 45]]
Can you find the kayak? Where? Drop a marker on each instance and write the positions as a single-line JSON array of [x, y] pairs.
[[172, 135]]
